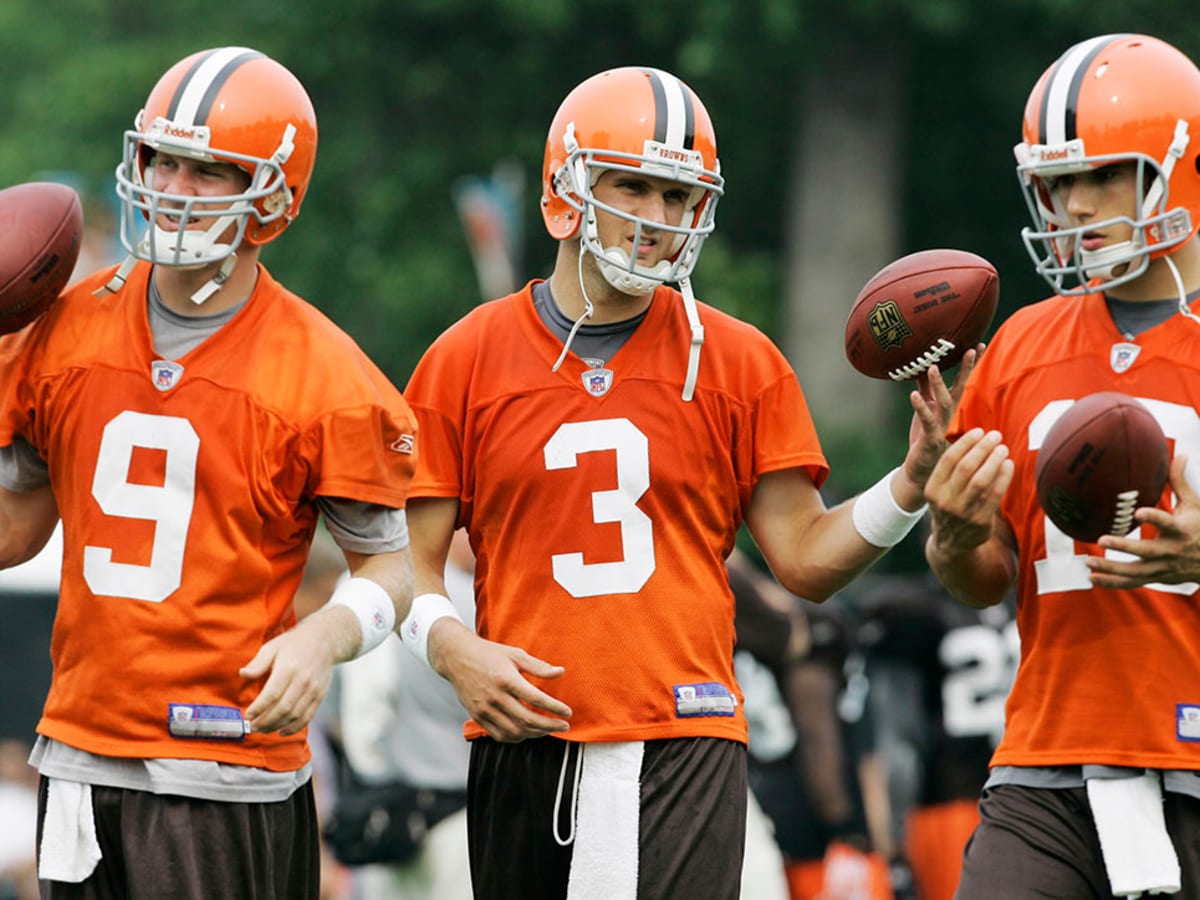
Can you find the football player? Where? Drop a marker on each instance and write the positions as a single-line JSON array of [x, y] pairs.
[[939, 673], [805, 761], [190, 419], [602, 436], [1094, 788]]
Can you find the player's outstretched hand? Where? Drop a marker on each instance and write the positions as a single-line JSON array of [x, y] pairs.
[[933, 403], [491, 683], [298, 667], [1172, 556]]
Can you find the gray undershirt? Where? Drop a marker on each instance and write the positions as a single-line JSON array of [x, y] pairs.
[[1132, 317], [594, 344]]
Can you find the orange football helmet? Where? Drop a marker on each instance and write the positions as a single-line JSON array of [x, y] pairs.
[[1113, 98], [233, 105], [631, 118]]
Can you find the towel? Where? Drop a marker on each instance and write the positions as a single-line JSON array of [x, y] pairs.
[[69, 850], [604, 862], [1138, 853]]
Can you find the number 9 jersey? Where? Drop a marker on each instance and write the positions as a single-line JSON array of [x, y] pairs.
[[601, 507], [187, 494]]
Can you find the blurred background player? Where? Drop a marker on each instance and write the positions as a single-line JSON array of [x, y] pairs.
[[399, 722], [806, 763], [28, 599], [325, 567], [939, 674]]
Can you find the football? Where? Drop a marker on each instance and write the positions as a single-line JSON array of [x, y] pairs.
[[41, 229], [1103, 458], [925, 308]]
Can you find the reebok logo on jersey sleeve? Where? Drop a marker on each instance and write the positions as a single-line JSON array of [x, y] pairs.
[[406, 443]]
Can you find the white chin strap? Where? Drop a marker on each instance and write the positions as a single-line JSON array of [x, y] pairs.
[[192, 250], [217, 282], [617, 271], [1103, 263]]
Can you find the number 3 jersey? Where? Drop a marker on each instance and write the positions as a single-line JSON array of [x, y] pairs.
[[187, 495], [1108, 677], [601, 506]]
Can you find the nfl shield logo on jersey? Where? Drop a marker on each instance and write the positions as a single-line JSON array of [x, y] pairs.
[[165, 374], [597, 381], [1122, 356]]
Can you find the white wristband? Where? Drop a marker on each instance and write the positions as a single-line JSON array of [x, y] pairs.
[[879, 518], [373, 608], [426, 609]]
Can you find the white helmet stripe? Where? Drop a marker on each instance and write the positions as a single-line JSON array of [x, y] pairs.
[[196, 93], [674, 124], [1059, 103]]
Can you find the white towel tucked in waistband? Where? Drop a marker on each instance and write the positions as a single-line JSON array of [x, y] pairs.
[[69, 850], [1138, 853], [604, 860]]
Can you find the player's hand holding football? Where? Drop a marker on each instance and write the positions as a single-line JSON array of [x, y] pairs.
[[1172, 556], [490, 681]]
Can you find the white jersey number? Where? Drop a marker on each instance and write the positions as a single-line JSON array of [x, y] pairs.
[[980, 665], [168, 506], [1063, 569], [629, 574]]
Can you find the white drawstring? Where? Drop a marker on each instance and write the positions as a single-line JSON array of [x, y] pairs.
[[562, 777], [588, 309]]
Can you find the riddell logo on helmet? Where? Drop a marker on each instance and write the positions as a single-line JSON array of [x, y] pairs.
[[176, 131], [165, 128], [1040, 154]]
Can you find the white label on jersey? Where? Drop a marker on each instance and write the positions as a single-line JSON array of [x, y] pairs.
[[597, 381], [1187, 722], [165, 374], [1122, 356], [707, 698], [203, 720]]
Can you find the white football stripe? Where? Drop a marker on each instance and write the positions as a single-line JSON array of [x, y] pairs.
[[1059, 89], [676, 112], [197, 87]]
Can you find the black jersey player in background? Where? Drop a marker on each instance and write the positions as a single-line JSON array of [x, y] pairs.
[[939, 675]]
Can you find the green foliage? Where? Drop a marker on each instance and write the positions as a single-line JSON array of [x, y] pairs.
[[411, 96]]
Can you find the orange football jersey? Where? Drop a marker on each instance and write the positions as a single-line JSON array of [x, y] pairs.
[[187, 493], [601, 506], [1106, 677]]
